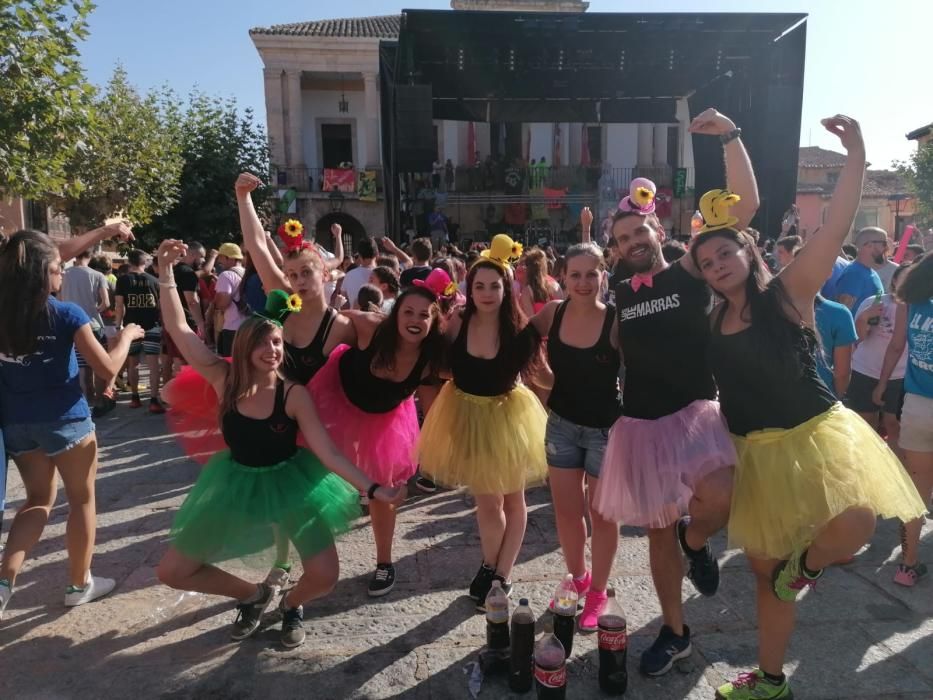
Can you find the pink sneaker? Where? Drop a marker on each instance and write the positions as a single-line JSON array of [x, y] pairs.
[[592, 609], [909, 575], [582, 585]]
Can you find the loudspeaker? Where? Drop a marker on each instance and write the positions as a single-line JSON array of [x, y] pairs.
[[414, 128]]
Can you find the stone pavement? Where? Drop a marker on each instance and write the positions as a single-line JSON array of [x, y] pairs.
[[858, 636]]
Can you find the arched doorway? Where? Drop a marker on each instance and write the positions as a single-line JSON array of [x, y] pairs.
[[353, 231]]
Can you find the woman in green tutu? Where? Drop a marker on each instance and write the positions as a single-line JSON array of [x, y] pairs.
[[264, 483]]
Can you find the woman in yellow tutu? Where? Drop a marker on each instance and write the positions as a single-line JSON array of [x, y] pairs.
[[811, 476], [485, 430]]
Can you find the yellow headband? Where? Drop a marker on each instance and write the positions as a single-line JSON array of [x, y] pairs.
[[714, 206], [502, 250]]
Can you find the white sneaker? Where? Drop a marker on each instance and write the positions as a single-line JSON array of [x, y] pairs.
[[97, 587], [5, 594]]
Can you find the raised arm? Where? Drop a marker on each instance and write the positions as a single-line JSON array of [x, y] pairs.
[[192, 348], [336, 232], [106, 364], [586, 225], [70, 247], [807, 272], [274, 251], [301, 408], [388, 245], [254, 236]]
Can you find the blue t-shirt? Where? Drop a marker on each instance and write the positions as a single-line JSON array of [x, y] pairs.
[[829, 289], [860, 282], [43, 386], [836, 328], [919, 377]]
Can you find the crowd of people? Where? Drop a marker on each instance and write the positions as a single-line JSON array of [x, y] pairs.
[[681, 389]]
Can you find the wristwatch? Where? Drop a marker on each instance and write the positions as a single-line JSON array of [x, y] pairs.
[[730, 136]]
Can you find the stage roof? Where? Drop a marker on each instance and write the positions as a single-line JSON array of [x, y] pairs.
[[497, 65]]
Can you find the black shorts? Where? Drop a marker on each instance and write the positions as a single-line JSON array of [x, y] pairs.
[[861, 386]]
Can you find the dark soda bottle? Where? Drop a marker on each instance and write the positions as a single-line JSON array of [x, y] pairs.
[[550, 668], [497, 618], [613, 647], [522, 656], [565, 611]]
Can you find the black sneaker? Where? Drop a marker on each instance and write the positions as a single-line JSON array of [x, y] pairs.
[[702, 567], [293, 631], [659, 658], [425, 485], [506, 587], [249, 614], [481, 583], [106, 406], [383, 580]]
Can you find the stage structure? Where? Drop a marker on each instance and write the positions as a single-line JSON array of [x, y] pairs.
[[598, 68]]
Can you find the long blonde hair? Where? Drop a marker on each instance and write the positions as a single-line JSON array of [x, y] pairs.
[[251, 333]]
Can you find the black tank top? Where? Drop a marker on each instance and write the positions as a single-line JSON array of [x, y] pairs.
[[491, 377], [754, 392], [301, 364], [664, 333], [586, 380], [261, 442], [374, 394]]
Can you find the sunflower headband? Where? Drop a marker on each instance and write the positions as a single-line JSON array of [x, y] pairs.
[[714, 206], [503, 251], [640, 198], [292, 235], [279, 304]]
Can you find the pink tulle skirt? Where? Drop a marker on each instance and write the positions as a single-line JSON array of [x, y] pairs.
[[381, 444], [651, 467]]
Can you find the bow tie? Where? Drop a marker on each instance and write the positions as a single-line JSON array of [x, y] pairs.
[[639, 279]]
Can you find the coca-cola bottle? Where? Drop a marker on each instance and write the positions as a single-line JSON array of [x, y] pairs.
[[550, 668], [497, 618], [522, 656], [565, 611], [613, 647]]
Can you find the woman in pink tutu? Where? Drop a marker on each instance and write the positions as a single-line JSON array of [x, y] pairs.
[[364, 396]]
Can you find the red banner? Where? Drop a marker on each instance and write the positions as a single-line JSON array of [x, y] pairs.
[[344, 179]]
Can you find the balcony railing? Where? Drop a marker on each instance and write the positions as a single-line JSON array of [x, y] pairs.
[[313, 180]]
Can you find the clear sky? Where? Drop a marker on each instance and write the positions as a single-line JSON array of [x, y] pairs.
[[865, 58]]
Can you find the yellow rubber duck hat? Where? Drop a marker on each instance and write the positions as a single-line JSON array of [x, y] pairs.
[[503, 250], [714, 206]]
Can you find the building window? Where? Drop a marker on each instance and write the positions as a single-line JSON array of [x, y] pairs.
[[594, 140], [336, 144], [832, 178], [866, 217]]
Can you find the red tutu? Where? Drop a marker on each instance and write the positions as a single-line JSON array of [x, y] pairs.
[[380, 444], [192, 415]]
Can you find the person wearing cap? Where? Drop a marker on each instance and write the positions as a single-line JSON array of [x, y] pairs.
[[229, 295]]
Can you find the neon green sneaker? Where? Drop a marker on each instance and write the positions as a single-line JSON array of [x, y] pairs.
[[790, 580], [754, 686]]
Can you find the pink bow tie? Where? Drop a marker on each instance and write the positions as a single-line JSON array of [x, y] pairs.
[[639, 279]]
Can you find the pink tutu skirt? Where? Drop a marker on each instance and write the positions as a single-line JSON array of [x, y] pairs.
[[651, 467], [381, 444]]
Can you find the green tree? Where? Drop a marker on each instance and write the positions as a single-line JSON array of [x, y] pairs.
[[919, 174], [45, 98], [218, 143], [131, 162]]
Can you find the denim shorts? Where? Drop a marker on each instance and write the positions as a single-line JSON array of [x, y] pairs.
[[53, 437], [572, 446]]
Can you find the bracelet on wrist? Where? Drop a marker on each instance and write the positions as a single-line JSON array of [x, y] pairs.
[[730, 136], [371, 491], [170, 284]]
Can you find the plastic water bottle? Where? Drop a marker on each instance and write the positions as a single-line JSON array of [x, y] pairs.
[[696, 222], [497, 618], [565, 611], [522, 656]]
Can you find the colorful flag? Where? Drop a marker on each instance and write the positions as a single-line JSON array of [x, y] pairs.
[[367, 187]]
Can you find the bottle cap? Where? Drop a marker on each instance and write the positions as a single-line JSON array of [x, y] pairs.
[[523, 601]]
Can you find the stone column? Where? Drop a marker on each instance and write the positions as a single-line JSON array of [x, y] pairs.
[[660, 144], [275, 114], [371, 117], [295, 152], [645, 145]]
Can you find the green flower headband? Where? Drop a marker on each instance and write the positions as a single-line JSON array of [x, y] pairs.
[[279, 304]]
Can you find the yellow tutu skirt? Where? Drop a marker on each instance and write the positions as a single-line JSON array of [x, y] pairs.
[[790, 483], [492, 444]]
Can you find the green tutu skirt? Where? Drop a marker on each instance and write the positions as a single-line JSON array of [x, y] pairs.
[[235, 511]]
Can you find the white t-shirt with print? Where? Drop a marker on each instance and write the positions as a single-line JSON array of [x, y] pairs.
[[868, 357]]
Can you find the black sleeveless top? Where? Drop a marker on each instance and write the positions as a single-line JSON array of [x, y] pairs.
[[301, 364], [664, 333], [586, 380], [374, 394], [491, 377], [261, 442], [755, 393]]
